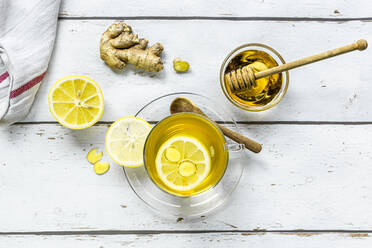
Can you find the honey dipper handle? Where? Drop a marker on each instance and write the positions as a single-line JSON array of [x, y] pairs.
[[359, 45], [247, 142]]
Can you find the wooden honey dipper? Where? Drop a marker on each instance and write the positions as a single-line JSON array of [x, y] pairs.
[[245, 78]]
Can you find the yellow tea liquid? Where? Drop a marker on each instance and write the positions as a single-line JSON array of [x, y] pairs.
[[267, 88], [193, 127]]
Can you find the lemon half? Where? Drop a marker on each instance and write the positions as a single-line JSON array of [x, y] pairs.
[[182, 163], [125, 140], [76, 101]]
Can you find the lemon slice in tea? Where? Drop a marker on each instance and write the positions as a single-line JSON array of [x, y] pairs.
[[76, 102], [125, 140], [182, 163]]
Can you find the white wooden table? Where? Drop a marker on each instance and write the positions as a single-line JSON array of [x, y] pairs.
[[310, 187]]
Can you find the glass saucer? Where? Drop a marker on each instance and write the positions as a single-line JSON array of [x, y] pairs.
[[170, 205]]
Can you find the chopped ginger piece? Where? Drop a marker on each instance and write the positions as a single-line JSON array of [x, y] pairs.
[[180, 66], [94, 156], [211, 150], [186, 169], [172, 154], [101, 167]]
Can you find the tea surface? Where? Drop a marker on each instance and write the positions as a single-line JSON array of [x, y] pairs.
[[186, 154]]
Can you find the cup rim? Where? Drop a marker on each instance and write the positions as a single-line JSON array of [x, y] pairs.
[[218, 130], [271, 104]]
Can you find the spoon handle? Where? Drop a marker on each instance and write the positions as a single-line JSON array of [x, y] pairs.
[[238, 138], [247, 142], [359, 45]]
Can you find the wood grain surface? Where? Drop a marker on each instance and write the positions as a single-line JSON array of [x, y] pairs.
[[309, 187], [311, 177], [259, 240], [332, 90], [267, 9]]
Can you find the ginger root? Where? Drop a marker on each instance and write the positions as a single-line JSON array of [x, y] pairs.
[[120, 46]]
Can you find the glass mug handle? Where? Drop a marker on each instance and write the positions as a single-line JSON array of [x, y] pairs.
[[235, 147]]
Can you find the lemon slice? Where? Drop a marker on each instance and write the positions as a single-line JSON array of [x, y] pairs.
[[182, 163], [76, 102], [125, 140]]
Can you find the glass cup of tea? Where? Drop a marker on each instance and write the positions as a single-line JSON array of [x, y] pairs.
[[269, 90], [185, 154], [190, 168]]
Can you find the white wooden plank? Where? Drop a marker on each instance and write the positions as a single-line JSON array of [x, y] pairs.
[[307, 177], [341, 84], [305, 240], [224, 8]]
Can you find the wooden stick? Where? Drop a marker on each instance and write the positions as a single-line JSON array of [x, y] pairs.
[[245, 78], [359, 45], [247, 142], [183, 104]]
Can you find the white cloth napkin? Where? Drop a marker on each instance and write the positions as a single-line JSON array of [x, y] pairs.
[[27, 33]]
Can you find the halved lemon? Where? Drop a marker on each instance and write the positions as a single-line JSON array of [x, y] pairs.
[[125, 140], [76, 101], [182, 163]]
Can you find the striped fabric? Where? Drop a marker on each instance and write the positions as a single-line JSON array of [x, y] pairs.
[[4, 76], [26, 86], [27, 33], [4, 89]]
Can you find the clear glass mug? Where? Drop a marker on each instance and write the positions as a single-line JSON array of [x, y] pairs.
[[170, 205], [203, 130], [275, 55]]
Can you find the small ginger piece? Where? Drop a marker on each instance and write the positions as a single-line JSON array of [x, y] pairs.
[[211, 150], [172, 154], [120, 46], [101, 167], [180, 66], [94, 156]]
